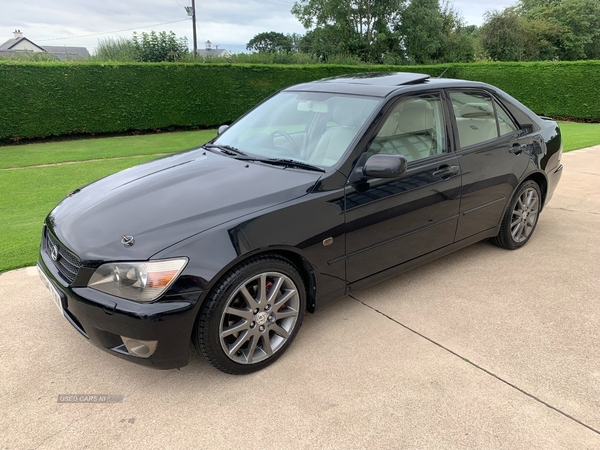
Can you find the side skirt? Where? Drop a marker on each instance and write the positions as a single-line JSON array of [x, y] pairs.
[[401, 268]]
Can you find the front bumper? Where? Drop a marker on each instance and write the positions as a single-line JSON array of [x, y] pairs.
[[104, 319]]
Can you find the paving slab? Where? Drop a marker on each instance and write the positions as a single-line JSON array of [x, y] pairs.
[[530, 316], [485, 348]]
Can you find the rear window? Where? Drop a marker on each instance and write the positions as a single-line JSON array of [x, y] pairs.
[[479, 118]]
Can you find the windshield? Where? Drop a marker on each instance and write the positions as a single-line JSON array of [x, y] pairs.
[[311, 127]]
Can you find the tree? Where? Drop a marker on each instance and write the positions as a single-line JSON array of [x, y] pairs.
[[504, 35], [544, 30], [421, 28], [327, 41], [296, 40], [434, 32], [159, 47], [390, 31], [577, 21], [458, 40], [352, 26], [270, 42]]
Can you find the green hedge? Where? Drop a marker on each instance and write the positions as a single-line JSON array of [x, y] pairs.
[[52, 99], [569, 90]]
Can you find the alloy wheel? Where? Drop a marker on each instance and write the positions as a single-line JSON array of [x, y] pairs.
[[259, 317], [524, 215]]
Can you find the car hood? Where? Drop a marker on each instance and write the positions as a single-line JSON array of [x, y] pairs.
[[165, 201]]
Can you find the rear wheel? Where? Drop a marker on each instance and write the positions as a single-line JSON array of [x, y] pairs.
[[251, 316], [521, 217]]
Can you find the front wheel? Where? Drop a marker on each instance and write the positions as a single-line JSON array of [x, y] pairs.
[[251, 316], [521, 217]]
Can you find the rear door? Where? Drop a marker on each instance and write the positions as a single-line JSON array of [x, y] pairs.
[[492, 153], [391, 221]]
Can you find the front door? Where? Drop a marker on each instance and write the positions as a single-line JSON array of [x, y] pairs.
[[391, 221]]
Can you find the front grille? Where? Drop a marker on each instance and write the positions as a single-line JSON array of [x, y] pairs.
[[67, 263]]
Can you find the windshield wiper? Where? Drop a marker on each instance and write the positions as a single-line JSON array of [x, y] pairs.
[[290, 163], [232, 151], [227, 149]]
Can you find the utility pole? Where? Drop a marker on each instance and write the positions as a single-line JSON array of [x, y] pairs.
[[192, 12], [194, 22]]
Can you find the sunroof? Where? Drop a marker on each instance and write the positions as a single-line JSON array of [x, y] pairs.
[[380, 78]]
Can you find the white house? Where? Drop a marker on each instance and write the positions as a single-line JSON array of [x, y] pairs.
[[20, 44], [209, 51]]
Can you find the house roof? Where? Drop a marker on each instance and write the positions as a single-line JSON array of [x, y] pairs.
[[8, 45], [213, 52], [60, 51], [65, 53]]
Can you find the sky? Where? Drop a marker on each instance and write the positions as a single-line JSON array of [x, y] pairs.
[[227, 23]]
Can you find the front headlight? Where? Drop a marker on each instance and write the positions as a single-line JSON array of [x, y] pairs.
[[140, 281]]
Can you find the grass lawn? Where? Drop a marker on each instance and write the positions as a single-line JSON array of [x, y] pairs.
[[29, 193], [101, 148], [579, 135]]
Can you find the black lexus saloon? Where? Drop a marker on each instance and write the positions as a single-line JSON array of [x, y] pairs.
[[322, 189]]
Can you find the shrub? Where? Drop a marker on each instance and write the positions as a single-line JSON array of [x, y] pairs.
[[569, 90], [53, 98]]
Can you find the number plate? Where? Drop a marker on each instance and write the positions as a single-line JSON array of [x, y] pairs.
[[52, 290]]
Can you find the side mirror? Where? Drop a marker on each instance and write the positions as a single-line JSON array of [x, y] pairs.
[[222, 129], [385, 166]]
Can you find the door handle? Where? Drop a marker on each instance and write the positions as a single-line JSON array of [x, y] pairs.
[[445, 172], [517, 149]]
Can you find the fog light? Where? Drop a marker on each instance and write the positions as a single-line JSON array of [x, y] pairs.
[[139, 348]]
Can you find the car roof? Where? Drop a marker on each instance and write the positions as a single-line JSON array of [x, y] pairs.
[[379, 78], [379, 84]]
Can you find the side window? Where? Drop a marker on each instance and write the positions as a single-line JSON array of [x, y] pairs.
[[414, 128], [479, 118], [505, 123]]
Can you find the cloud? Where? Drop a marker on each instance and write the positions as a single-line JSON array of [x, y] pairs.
[[226, 21], [223, 22], [473, 12]]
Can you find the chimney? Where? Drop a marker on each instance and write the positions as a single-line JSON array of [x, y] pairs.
[[208, 45], [18, 34]]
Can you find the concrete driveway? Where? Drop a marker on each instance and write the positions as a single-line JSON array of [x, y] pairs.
[[483, 349]]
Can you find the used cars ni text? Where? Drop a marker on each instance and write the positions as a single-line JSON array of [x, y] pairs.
[[322, 189]]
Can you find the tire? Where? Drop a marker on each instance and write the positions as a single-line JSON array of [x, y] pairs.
[[520, 218], [239, 329]]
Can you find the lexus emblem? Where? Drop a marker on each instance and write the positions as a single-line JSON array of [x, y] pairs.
[[54, 253], [127, 241]]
